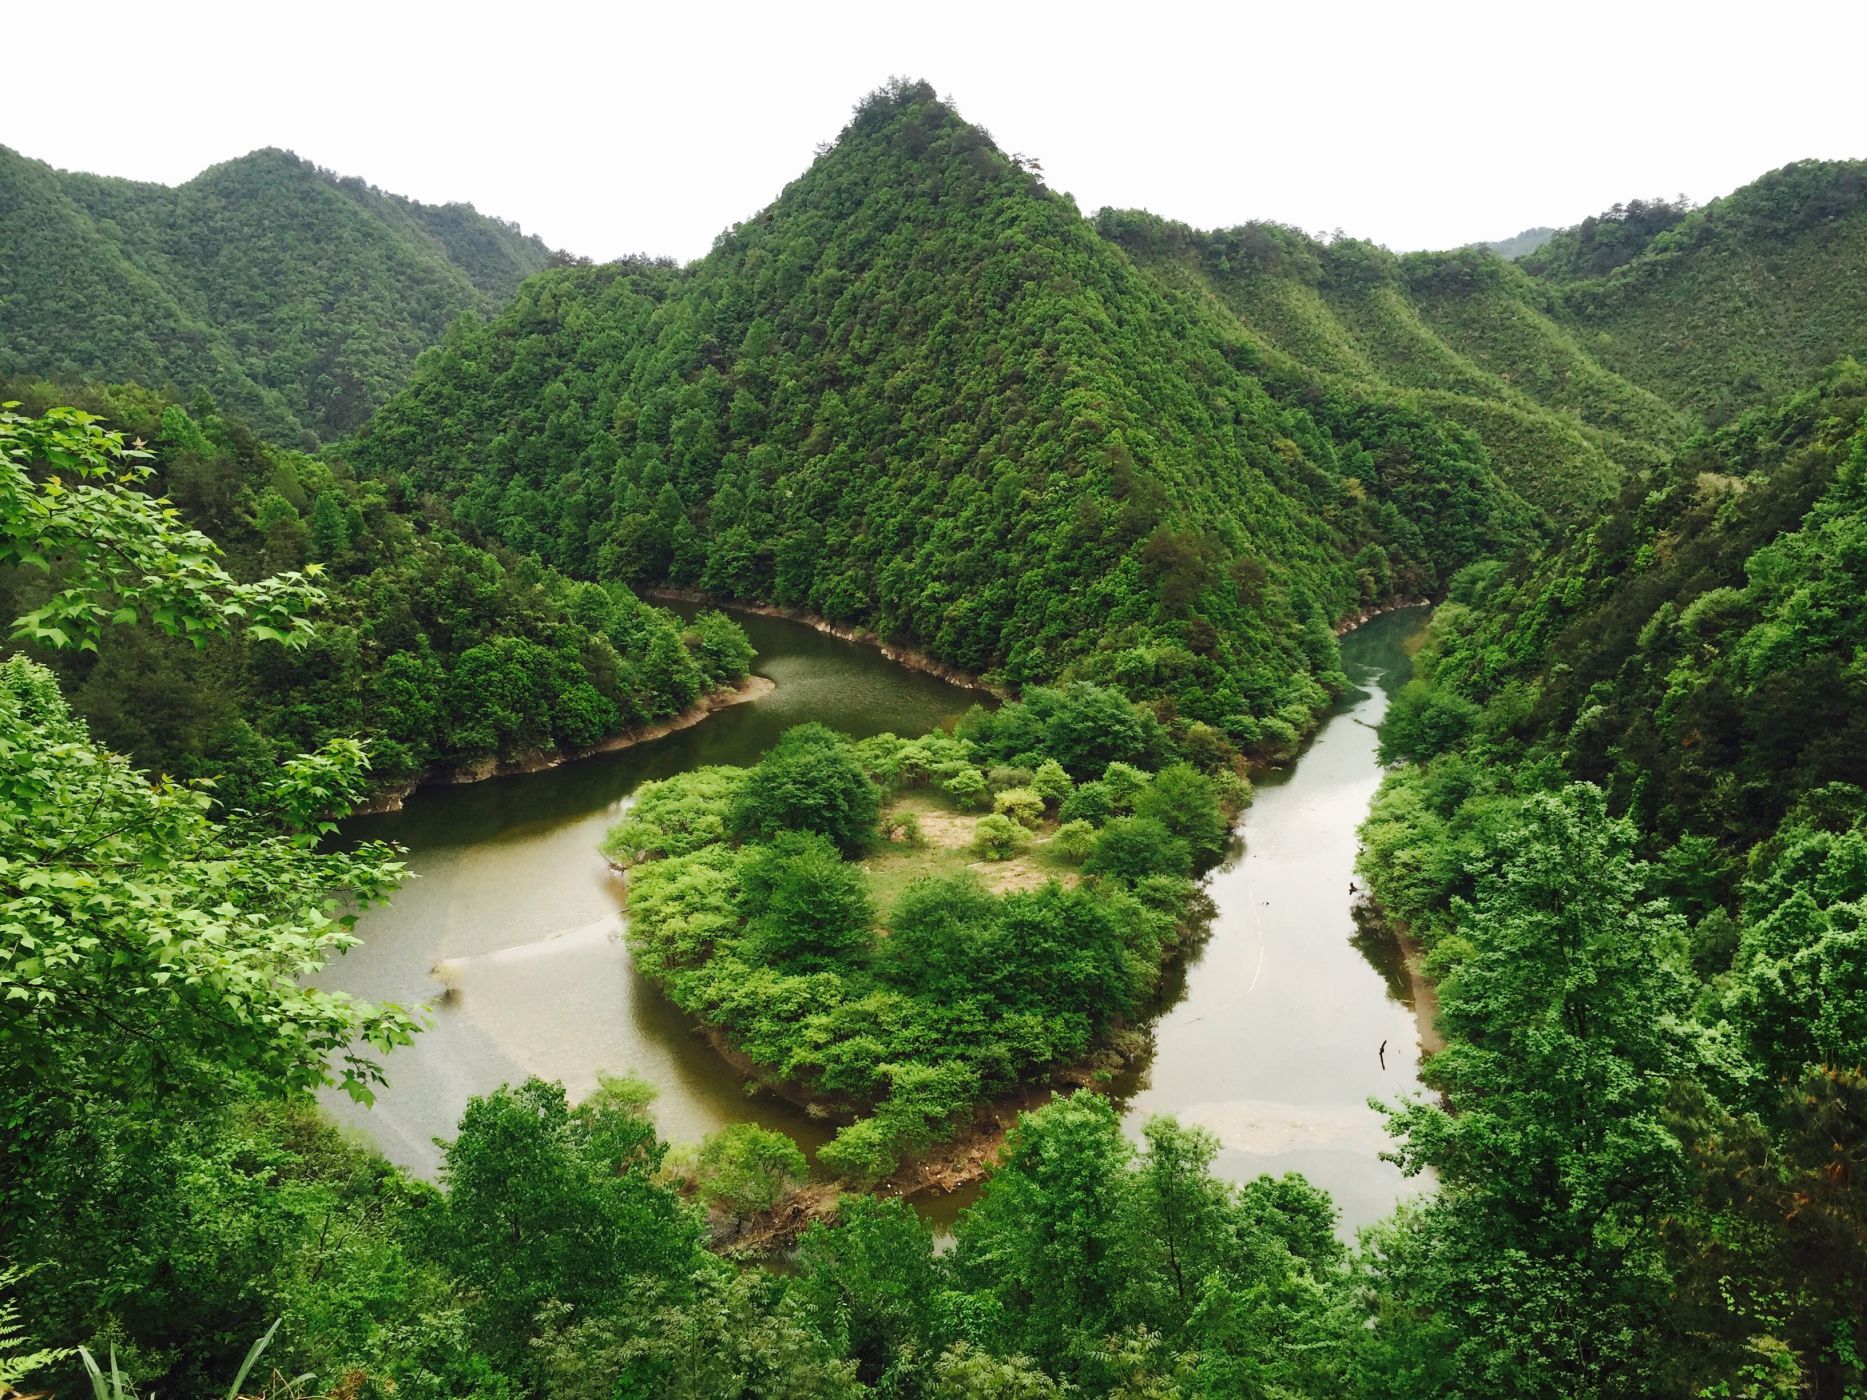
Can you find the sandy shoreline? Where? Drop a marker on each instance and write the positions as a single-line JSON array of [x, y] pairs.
[[751, 688], [909, 657]]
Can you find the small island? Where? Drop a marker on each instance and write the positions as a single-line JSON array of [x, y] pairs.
[[893, 932]]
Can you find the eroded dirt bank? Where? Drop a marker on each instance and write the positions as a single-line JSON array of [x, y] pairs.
[[751, 688]]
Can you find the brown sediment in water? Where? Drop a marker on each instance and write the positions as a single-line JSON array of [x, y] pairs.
[[1425, 1001], [751, 688], [1390, 946]]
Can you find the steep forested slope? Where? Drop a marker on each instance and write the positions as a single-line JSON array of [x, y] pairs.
[[1731, 305], [1591, 356], [1696, 652], [298, 299], [1462, 334], [918, 391], [1633, 833]]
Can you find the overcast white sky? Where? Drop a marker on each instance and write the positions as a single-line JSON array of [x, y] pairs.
[[609, 129]]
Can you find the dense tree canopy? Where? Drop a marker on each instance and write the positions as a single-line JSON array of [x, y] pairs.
[[1133, 473], [1591, 357], [1631, 834], [438, 654]]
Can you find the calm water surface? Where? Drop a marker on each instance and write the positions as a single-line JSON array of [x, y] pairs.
[[1274, 1043], [514, 908], [1269, 1037]]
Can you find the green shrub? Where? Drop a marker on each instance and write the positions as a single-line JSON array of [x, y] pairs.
[[859, 1153], [1186, 802], [1124, 783], [966, 787], [676, 816], [1075, 840], [810, 781], [997, 837], [745, 1168], [803, 903], [885, 758], [1092, 802], [1051, 782], [1021, 804], [1131, 848]]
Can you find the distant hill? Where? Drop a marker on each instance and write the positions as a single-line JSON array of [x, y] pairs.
[[1462, 335], [296, 298], [1517, 245], [1727, 307], [1593, 354]]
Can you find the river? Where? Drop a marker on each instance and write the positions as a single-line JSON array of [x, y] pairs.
[[512, 928], [1272, 1040]]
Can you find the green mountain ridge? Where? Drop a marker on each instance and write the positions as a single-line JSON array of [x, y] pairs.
[[1462, 335], [1585, 359], [297, 298], [1737, 303], [919, 392], [1519, 244]]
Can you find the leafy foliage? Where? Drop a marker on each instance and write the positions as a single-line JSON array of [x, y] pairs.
[[746, 1168], [439, 655], [809, 782], [68, 501], [1651, 976]]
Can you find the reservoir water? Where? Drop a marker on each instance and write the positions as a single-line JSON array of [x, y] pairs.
[[512, 931]]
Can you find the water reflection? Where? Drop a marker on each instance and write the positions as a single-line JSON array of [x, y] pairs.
[[1275, 1044]]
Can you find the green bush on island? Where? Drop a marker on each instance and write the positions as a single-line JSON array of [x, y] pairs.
[[997, 837], [768, 933], [744, 1168]]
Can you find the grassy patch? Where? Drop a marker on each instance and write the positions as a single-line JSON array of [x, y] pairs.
[[946, 849]]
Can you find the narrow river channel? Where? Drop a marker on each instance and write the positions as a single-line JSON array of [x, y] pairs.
[[1274, 1040], [512, 930]]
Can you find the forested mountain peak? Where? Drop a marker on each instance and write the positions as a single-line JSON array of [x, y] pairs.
[[1781, 205], [918, 392], [1520, 244], [294, 296], [495, 254], [1726, 307]]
